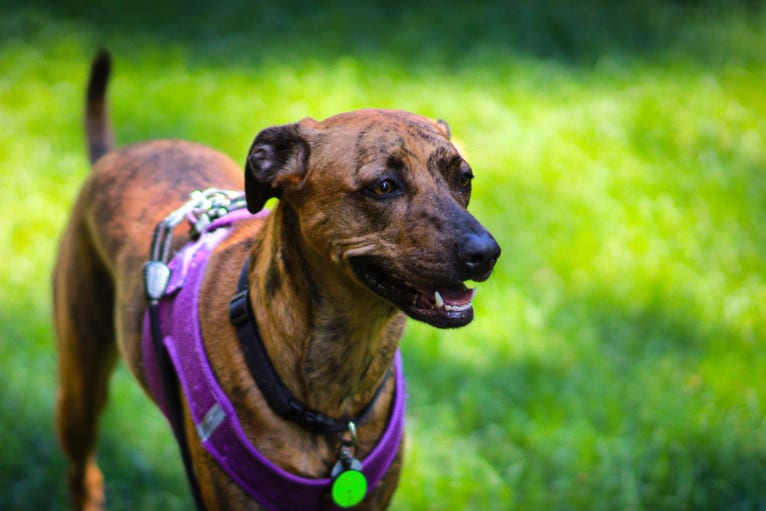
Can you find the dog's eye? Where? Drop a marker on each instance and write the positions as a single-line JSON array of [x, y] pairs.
[[385, 188], [465, 179]]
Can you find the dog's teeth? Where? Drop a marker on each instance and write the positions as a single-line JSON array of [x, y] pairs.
[[463, 307], [438, 299]]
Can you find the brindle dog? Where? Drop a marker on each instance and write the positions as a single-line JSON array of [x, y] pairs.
[[371, 226]]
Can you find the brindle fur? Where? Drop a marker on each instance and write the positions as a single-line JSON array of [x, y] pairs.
[[330, 337]]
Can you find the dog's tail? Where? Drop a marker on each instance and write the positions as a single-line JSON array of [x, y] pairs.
[[97, 127]]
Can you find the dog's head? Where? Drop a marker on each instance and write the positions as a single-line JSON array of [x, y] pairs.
[[383, 195]]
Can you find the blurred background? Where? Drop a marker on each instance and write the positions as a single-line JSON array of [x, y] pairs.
[[617, 361]]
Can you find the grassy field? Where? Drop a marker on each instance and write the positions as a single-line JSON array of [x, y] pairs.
[[618, 359]]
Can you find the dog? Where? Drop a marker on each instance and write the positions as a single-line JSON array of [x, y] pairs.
[[370, 226]]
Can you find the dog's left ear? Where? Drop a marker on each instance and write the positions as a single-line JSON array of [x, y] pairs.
[[277, 159]]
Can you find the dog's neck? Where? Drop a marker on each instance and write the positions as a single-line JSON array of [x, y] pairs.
[[330, 339]]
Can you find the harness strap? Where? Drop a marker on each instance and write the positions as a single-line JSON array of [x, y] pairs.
[[274, 390], [216, 422], [169, 386]]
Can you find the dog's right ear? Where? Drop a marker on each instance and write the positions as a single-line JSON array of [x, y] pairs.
[[278, 158]]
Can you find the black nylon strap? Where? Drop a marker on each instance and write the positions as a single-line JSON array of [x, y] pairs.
[[276, 393], [169, 382]]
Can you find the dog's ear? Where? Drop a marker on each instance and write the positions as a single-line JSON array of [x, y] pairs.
[[277, 158], [442, 124]]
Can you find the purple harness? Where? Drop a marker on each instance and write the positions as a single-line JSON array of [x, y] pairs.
[[214, 416]]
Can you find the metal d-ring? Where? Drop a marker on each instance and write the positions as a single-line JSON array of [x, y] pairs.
[[352, 430]]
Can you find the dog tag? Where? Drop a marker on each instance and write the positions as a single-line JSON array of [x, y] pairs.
[[349, 485]]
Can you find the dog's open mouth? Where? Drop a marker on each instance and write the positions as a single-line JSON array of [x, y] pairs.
[[440, 305]]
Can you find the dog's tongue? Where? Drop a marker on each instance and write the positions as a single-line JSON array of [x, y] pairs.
[[455, 296]]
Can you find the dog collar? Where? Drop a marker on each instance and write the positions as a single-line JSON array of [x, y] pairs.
[[276, 393], [214, 416]]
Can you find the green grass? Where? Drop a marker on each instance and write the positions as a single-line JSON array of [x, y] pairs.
[[618, 359]]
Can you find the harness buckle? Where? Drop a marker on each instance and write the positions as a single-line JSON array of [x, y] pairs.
[[238, 313], [156, 278]]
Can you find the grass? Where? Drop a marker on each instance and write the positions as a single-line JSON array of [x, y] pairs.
[[618, 359]]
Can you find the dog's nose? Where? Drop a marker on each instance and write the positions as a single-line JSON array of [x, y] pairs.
[[478, 253]]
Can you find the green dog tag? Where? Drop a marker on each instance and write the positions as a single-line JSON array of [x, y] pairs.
[[349, 486]]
